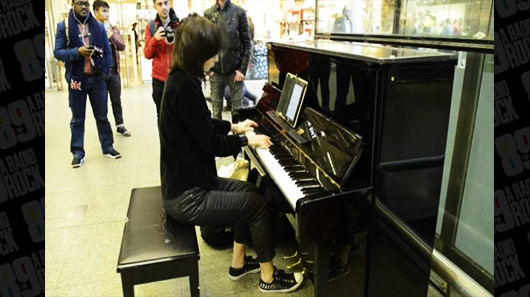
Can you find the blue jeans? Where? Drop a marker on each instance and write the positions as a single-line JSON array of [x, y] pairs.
[[96, 89]]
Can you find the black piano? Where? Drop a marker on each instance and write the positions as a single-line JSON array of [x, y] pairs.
[[382, 140]]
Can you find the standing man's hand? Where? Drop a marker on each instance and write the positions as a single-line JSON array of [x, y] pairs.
[[85, 51], [239, 76], [158, 35], [109, 33]]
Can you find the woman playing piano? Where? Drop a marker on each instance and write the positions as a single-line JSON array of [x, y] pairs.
[[190, 139]]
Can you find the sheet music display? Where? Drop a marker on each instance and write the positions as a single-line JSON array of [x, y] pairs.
[[291, 99]]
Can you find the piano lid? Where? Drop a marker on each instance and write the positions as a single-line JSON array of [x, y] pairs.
[[333, 147], [377, 53]]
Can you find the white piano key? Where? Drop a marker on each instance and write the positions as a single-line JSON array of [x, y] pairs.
[[282, 179]]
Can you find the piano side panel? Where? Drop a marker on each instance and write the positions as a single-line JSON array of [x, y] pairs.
[[415, 117], [415, 104]]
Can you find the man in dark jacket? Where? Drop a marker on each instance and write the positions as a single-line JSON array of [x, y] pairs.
[[113, 80], [234, 54], [159, 41], [343, 23], [81, 42]]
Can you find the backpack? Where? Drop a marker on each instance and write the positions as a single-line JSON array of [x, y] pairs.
[[217, 237], [152, 28]]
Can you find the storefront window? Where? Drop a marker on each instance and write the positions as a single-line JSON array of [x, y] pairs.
[[429, 18]]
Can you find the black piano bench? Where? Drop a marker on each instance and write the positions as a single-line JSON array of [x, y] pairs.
[[156, 248]]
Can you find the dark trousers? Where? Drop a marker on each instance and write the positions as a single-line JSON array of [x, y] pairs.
[[319, 70], [345, 73], [217, 88], [158, 90], [114, 90], [96, 90], [360, 78], [232, 202]]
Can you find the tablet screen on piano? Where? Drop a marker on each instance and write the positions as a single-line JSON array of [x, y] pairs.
[[291, 99]]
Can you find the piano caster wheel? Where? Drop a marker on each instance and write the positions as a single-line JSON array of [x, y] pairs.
[[292, 256], [291, 266]]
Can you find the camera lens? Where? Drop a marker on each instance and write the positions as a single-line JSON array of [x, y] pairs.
[[170, 36]]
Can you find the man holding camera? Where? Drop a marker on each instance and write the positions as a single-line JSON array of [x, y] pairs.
[[101, 12], [81, 42], [159, 41]]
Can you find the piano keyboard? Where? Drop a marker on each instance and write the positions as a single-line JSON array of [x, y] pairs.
[[292, 179]]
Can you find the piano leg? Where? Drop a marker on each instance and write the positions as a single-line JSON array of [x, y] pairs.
[[321, 270]]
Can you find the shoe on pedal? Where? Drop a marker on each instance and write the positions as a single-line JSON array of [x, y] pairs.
[[123, 131], [77, 162], [337, 269], [113, 154], [283, 282], [251, 266]]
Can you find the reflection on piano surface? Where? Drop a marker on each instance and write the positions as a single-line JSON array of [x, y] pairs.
[[313, 177]]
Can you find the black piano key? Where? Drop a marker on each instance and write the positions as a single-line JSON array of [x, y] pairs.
[[307, 184], [312, 191], [293, 168], [281, 155], [296, 170], [299, 175], [288, 163], [277, 148], [302, 180]]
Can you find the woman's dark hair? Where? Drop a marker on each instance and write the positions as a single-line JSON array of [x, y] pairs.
[[196, 40]]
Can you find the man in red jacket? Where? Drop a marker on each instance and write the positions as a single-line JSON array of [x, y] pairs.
[[159, 40], [101, 12]]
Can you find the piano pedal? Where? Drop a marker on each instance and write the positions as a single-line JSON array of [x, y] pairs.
[[291, 266], [292, 256], [304, 271]]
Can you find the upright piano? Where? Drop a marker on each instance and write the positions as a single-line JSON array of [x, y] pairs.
[[376, 121]]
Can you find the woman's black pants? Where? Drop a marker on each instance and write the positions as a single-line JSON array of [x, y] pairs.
[[231, 202]]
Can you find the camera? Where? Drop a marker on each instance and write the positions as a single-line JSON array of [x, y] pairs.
[[96, 51], [169, 35]]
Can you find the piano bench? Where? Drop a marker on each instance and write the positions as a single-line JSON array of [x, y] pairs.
[[155, 247]]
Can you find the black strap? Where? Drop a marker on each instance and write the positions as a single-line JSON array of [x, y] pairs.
[[66, 32]]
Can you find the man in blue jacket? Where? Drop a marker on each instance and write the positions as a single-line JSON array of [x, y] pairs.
[[81, 42]]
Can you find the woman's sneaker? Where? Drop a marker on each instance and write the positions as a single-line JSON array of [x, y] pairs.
[[251, 266], [282, 282]]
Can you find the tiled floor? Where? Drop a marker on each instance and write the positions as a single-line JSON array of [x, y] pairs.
[[86, 207]]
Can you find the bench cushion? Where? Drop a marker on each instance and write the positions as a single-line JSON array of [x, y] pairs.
[[148, 238]]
